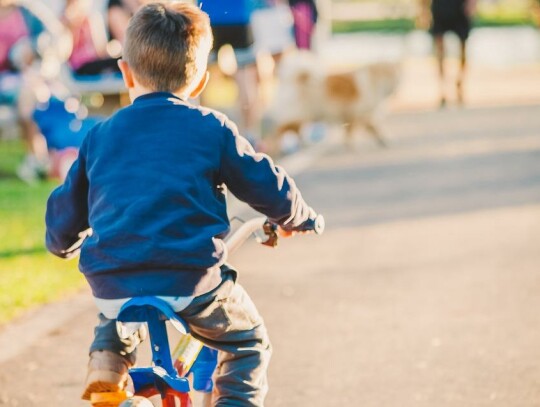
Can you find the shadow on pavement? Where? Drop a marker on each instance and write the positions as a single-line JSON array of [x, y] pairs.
[[438, 163]]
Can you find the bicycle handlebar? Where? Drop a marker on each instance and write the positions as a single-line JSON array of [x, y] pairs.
[[236, 239], [266, 231], [315, 225]]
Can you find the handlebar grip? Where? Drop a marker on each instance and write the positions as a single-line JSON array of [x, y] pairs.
[[311, 225]]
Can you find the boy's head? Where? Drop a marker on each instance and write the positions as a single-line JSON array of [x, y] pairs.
[[167, 47]]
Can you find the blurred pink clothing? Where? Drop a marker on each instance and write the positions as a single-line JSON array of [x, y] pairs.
[[84, 50], [304, 22], [12, 29]]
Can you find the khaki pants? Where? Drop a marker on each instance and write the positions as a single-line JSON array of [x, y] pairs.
[[224, 319]]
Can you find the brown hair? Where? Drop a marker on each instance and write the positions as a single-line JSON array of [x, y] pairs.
[[162, 41]]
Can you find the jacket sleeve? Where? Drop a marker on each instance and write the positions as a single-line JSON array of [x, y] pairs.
[[67, 210], [253, 178]]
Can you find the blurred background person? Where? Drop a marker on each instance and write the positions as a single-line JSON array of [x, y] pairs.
[[304, 17], [19, 32], [231, 27], [454, 16], [118, 14], [87, 26]]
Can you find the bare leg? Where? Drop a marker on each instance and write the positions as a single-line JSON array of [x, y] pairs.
[[35, 164], [34, 140], [248, 96], [462, 70], [265, 64], [439, 54]]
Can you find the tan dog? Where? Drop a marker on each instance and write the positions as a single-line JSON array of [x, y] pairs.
[[307, 92]]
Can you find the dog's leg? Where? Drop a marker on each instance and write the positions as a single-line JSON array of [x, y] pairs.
[[376, 132], [348, 128]]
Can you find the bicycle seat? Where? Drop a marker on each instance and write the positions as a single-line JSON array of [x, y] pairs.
[[142, 309], [162, 375]]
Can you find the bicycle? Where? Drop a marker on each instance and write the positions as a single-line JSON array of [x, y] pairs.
[[165, 378]]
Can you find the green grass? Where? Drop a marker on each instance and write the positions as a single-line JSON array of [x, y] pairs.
[[29, 276], [400, 25], [404, 25]]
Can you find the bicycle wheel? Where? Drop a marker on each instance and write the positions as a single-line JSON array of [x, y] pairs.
[[136, 401], [156, 401]]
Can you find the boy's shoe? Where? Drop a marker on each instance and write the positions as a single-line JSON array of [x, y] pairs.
[[107, 372], [108, 399]]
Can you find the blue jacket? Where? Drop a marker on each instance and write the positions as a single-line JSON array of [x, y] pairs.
[[150, 183]]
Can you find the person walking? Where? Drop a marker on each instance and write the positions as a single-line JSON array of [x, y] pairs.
[[454, 16]]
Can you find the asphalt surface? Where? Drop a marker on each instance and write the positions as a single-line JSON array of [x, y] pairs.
[[424, 291]]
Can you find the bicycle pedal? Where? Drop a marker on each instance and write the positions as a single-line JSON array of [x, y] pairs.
[[108, 399]]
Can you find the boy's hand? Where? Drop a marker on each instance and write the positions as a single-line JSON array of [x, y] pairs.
[[314, 224], [290, 233], [285, 233]]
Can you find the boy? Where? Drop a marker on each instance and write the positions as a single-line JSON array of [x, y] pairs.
[[149, 182]]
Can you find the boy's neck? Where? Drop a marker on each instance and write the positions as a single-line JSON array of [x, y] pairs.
[[139, 90]]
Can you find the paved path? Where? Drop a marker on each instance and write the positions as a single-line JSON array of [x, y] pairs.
[[423, 292]]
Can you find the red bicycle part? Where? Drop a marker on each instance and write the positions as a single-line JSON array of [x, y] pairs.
[[170, 397]]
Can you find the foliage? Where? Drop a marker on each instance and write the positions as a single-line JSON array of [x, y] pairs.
[[29, 276], [488, 14]]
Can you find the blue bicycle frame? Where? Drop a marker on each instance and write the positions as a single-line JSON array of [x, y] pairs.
[[162, 378]]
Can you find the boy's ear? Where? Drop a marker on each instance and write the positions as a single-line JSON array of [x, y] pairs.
[[127, 74], [200, 87]]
